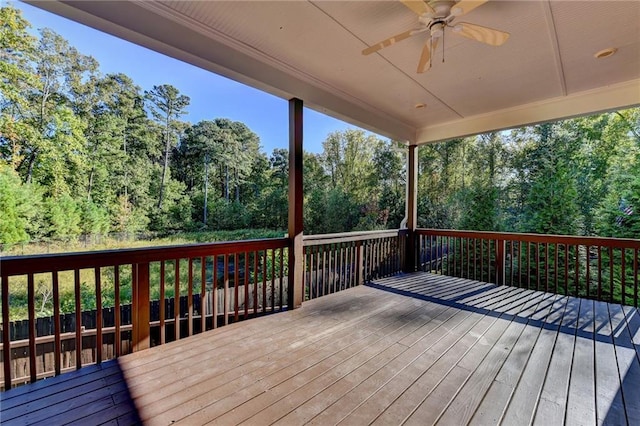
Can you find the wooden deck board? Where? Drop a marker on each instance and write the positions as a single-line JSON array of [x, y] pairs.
[[581, 408], [525, 397], [628, 364], [607, 380], [413, 349]]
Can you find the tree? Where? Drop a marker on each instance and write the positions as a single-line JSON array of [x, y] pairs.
[[167, 105], [19, 204], [348, 160], [17, 49]]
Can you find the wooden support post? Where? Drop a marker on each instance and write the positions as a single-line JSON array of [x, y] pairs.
[[296, 252], [412, 209], [141, 315]]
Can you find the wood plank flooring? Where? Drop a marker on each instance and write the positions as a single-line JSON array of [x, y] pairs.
[[414, 349]]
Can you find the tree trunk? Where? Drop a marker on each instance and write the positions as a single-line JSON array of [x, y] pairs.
[[165, 166], [226, 183], [237, 187]]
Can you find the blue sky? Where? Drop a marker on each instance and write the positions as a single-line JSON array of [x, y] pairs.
[[212, 96]]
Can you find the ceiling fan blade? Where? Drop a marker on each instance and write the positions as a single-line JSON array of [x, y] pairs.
[[419, 7], [425, 59], [481, 34], [468, 5], [388, 42]]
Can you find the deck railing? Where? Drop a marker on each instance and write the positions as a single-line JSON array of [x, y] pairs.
[[216, 284], [335, 262], [128, 300], [597, 268]]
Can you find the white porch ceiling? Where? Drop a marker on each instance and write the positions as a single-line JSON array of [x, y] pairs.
[[311, 50]]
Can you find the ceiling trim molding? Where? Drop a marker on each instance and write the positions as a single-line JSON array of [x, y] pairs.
[[614, 97]]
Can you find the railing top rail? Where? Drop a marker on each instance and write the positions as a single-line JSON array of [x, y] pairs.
[[20, 265], [343, 237], [536, 238]]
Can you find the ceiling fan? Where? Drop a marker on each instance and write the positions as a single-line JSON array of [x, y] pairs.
[[434, 17]]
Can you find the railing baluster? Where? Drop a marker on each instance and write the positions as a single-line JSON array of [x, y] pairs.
[[308, 273], [273, 280], [340, 266], [588, 272], [214, 290], [162, 304], [236, 282], [246, 285], [332, 267], [281, 278], [359, 263], [6, 336], [176, 300], [226, 289], [324, 270], [610, 273], [623, 275], [577, 273], [510, 276], [555, 267], [31, 295], [566, 269], [190, 298], [255, 283], [599, 272], [520, 263], [203, 294], [318, 283], [537, 257], [635, 278], [98, 284], [78, 296], [57, 344], [118, 319], [264, 282], [467, 257], [482, 260]]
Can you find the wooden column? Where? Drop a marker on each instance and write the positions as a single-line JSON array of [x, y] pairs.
[[412, 208], [296, 269]]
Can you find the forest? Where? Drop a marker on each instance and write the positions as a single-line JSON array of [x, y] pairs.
[[87, 154]]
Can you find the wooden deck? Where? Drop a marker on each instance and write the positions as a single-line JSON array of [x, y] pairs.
[[414, 349]]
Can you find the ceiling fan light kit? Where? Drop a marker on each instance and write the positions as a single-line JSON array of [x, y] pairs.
[[434, 17]]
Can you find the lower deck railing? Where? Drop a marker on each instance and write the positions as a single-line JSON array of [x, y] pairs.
[[598, 268]]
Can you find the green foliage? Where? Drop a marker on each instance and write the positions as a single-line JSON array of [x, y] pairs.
[[95, 219], [86, 153], [63, 217], [230, 215], [12, 223]]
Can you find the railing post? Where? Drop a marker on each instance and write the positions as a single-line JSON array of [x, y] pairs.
[[295, 286], [141, 314], [412, 209]]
